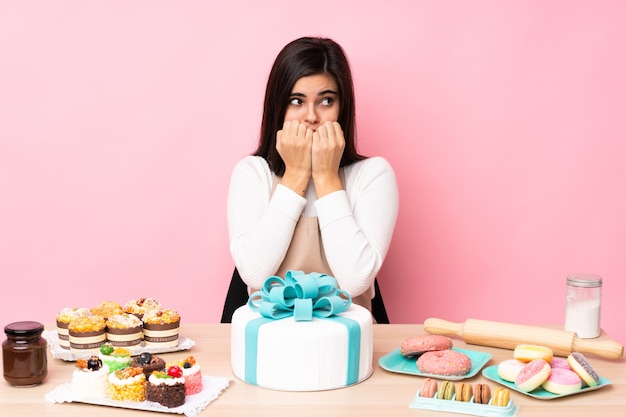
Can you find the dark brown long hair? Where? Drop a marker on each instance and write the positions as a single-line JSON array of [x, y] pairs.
[[301, 58]]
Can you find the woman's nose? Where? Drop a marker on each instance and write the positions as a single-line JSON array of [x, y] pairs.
[[311, 117]]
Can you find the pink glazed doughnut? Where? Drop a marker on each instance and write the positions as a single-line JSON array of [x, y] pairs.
[[562, 381], [532, 375], [444, 362], [415, 346]]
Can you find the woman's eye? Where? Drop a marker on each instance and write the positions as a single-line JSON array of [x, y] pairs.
[[295, 101], [327, 101]]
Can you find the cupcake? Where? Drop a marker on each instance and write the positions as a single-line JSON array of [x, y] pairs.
[[160, 328], [148, 362], [87, 334], [63, 319], [128, 384], [116, 358], [107, 309], [90, 378], [141, 306], [124, 330], [167, 388], [192, 374]]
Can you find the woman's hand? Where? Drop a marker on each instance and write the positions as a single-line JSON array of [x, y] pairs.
[[294, 144], [328, 146]]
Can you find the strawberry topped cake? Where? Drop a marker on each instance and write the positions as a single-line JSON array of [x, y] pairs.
[[192, 374], [167, 387]]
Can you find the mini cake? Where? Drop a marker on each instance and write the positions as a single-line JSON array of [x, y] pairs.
[[63, 319], [192, 374], [315, 353], [148, 362], [160, 327], [167, 388], [141, 306], [124, 330], [90, 378], [87, 334], [128, 384], [107, 309], [115, 358]]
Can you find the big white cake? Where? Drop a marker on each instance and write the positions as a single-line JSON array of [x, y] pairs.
[[290, 355]]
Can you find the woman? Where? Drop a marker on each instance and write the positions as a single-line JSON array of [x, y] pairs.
[[307, 200]]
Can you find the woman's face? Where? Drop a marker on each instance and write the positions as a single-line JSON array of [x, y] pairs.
[[314, 100]]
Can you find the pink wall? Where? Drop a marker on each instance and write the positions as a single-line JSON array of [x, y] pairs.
[[120, 123]]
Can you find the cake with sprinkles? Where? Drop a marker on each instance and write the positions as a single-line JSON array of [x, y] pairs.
[[128, 384]]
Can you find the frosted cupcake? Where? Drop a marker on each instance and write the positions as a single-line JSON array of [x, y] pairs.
[[87, 334], [140, 306], [160, 328], [64, 318], [90, 378], [124, 330], [167, 388], [116, 358], [128, 384]]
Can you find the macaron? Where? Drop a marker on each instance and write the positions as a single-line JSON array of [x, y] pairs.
[[429, 388], [527, 353], [482, 394], [583, 368], [464, 391], [532, 375], [562, 381], [415, 346], [501, 397], [446, 391]]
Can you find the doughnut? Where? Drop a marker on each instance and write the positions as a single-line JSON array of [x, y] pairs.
[[444, 362], [501, 397], [583, 368], [532, 375], [482, 394], [562, 381], [415, 346], [446, 391], [464, 391], [527, 353], [509, 369], [429, 388], [559, 363]]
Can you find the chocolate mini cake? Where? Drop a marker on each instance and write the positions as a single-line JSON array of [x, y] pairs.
[[167, 388], [149, 363]]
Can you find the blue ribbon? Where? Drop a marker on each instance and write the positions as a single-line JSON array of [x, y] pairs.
[[300, 295]]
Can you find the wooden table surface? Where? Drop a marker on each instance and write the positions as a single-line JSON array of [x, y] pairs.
[[383, 394]]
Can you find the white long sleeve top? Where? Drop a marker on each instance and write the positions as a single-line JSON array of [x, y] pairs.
[[356, 224]]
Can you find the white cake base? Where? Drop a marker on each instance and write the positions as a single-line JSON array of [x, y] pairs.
[[303, 355]]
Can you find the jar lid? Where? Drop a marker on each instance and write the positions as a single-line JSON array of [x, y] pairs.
[[584, 280], [23, 328]]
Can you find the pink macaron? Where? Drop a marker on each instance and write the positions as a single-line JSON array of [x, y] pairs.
[[562, 381], [429, 388], [532, 375]]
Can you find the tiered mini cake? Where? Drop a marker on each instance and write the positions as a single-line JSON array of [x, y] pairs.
[[312, 339]]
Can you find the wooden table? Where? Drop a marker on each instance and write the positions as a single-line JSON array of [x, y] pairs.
[[383, 394]]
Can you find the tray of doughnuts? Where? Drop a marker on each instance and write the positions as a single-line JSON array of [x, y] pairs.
[[534, 371]]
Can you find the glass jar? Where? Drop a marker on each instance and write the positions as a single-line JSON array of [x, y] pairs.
[[582, 305], [24, 354]]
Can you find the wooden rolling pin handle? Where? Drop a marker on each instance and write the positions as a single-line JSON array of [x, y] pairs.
[[604, 348], [438, 326]]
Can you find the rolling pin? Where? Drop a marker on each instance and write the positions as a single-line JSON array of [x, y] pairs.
[[507, 335]]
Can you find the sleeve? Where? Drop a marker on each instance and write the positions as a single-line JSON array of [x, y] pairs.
[[260, 227], [357, 224]]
